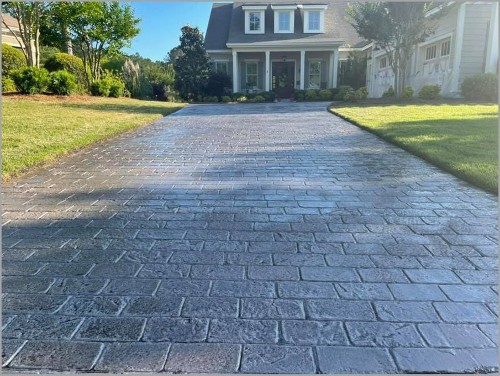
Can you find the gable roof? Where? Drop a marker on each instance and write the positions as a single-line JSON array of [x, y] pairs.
[[227, 25], [9, 20]]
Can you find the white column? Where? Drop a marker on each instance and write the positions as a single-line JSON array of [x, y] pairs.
[[235, 71], [268, 70], [302, 68], [335, 57], [457, 53], [330, 81], [492, 48]]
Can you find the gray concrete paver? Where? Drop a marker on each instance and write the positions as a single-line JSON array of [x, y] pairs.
[[248, 238]]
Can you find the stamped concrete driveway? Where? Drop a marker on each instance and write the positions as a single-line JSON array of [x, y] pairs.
[[263, 238]]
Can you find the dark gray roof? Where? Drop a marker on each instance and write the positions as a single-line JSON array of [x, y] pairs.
[[218, 26], [230, 26]]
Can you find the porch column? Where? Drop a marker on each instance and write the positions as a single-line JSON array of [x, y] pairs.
[[457, 50], [491, 63], [235, 71], [268, 70], [334, 60], [302, 68]]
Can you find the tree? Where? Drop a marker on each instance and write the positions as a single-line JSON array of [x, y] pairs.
[[353, 71], [28, 16], [54, 29], [396, 28], [192, 67], [99, 29]]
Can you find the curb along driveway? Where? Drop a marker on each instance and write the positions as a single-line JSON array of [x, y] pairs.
[[260, 238]]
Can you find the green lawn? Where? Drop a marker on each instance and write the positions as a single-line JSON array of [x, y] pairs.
[[39, 129], [459, 138]]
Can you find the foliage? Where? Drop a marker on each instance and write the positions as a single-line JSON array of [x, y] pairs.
[[211, 99], [100, 29], [218, 84], [430, 92], [350, 95], [241, 99], [396, 27], [269, 96], [325, 95], [62, 82], [8, 85], [70, 63], [481, 87], [460, 138], [117, 89], [38, 130], [114, 63], [299, 95], [110, 85], [408, 93], [28, 15], [311, 95], [353, 71], [256, 99], [362, 93], [31, 80], [192, 68], [46, 52], [389, 92], [54, 27], [12, 59], [342, 90], [226, 99]]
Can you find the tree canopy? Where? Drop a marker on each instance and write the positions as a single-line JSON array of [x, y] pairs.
[[396, 27]]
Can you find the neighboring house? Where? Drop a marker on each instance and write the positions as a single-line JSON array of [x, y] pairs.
[[280, 46], [9, 36], [464, 43]]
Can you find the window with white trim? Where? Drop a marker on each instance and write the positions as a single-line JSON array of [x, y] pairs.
[[445, 48], [284, 18], [430, 52], [222, 67], [314, 74], [284, 21], [254, 19], [251, 74], [314, 18]]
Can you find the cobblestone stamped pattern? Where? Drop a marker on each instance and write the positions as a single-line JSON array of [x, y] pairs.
[[248, 238]]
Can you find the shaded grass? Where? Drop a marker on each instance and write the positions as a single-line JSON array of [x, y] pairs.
[[37, 130], [461, 139]]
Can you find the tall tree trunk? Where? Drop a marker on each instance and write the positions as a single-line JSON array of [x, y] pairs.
[[69, 42]]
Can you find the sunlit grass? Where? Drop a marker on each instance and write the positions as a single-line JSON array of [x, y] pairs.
[[460, 138], [37, 130]]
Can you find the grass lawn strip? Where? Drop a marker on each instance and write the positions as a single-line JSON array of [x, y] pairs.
[[39, 129], [459, 138]]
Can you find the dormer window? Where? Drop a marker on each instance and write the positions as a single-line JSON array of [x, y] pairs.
[[284, 17], [314, 18], [254, 19]]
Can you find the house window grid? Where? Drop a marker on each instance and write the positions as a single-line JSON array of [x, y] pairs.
[[314, 74], [284, 21], [251, 74], [383, 63], [222, 67], [431, 52], [255, 22], [446, 48], [314, 18]]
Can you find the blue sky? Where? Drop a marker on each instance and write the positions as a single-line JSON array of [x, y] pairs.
[[161, 25]]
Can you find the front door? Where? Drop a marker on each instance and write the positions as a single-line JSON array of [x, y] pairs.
[[283, 78]]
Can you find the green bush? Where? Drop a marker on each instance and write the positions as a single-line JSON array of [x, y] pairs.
[[8, 85], [408, 92], [31, 80], [299, 95], [211, 99], [226, 99], [311, 95], [62, 83], [101, 88], [362, 93], [350, 95], [46, 52], [241, 99], [269, 96], [389, 92], [256, 99], [429, 92], [237, 95], [117, 88], [12, 59], [325, 95], [339, 96], [67, 62], [481, 87]]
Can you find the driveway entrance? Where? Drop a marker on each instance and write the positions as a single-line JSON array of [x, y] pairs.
[[255, 238]]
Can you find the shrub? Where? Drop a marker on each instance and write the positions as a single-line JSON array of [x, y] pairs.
[[237, 95], [12, 59], [429, 92], [350, 95], [211, 98], [311, 95], [67, 62], [241, 99], [226, 99], [362, 93], [389, 92], [256, 99], [116, 89], [218, 84], [481, 87], [339, 96], [46, 52], [269, 96], [408, 92], [101, 88], [325, 95], [299, 95], [8, 85], [62, 83], [31, 80]]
